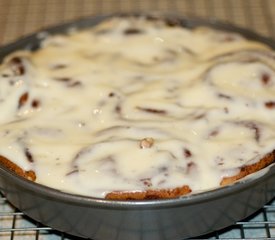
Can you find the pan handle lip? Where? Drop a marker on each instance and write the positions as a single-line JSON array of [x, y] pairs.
[[33, 41], [43, 191]]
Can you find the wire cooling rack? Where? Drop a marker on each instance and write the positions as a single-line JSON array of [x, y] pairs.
[[14, 225]]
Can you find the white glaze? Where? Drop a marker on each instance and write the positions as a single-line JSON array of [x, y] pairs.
[[167, 83]]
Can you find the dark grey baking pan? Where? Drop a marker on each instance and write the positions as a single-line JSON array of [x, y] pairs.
[[178, 218]]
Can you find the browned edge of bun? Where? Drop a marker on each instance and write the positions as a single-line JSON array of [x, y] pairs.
[[248, 169], [149, 194], [30, 175]]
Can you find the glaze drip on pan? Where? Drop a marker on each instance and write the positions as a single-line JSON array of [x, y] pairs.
[[135, 105]]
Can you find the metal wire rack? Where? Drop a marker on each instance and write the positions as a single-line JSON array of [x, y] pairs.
[[15, 225]]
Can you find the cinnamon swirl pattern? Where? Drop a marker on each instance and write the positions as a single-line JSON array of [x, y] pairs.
[[138, 108]]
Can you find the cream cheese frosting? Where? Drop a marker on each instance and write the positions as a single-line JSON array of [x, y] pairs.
[[133, 104]]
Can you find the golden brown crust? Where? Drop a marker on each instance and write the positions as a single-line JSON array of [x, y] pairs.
[[149, 194], [30, 175], [248, 169]]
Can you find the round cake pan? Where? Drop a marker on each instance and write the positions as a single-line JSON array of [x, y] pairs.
[[177, 218]]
